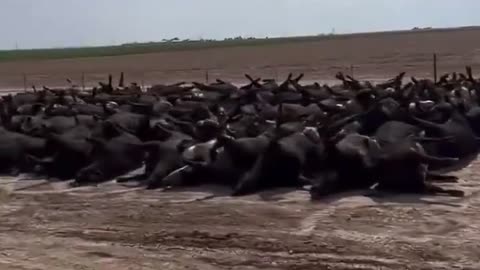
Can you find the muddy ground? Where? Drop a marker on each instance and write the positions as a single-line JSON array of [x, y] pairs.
[[49, 226]]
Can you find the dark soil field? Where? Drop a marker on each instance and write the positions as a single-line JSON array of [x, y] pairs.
[[50, 226]]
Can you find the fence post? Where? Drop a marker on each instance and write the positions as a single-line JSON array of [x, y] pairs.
[[352, 71], [435, 68], [206, 76], [24, 82]]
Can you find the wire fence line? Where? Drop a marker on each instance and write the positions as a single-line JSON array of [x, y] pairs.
[[145, 79], [87, 80]]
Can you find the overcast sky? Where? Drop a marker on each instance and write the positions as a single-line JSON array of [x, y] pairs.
[[61, 23]]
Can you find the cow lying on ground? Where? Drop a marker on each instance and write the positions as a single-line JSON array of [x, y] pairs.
[[393, 136]]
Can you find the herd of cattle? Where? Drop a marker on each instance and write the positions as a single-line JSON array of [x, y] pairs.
[[395, 136]]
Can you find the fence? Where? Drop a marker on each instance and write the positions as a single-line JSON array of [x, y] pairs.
[[85, 80]]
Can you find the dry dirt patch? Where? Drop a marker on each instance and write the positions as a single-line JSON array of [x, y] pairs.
[[48, 226]]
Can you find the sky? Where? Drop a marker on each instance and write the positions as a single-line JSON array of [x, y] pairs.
[[72, 23]]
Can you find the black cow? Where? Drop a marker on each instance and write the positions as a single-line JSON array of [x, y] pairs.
[[111, 158]]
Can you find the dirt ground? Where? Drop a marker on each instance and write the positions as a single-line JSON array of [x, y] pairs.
[[49, 226], [372, 56]]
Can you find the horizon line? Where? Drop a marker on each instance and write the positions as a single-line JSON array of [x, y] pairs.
[[176, 40]]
